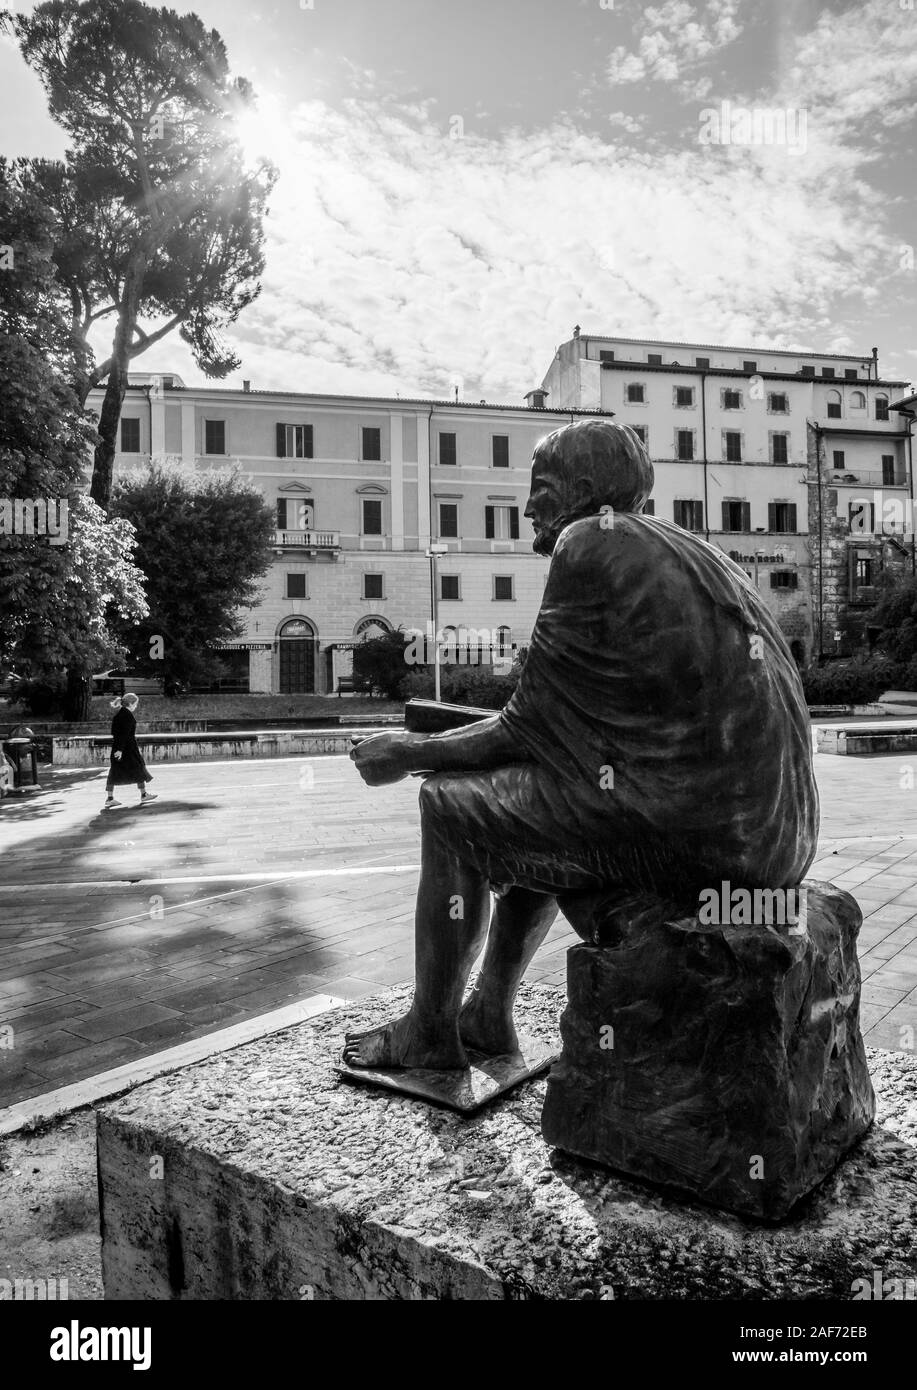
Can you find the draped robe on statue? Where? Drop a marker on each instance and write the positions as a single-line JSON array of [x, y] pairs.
[[662, 733]]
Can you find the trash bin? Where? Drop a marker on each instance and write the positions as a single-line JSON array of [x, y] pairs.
[[20, 747]]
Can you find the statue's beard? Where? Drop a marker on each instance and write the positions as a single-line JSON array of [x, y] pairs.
[[546, 536]]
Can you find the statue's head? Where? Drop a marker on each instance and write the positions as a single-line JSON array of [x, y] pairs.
[[580, 469]]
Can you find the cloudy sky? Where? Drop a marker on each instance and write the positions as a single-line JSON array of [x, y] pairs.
[[463, 180]]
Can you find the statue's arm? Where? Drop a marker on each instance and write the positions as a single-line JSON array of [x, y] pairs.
[[474, 747]]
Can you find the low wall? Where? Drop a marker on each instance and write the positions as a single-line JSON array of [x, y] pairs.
[[864, 740], [95, 751]]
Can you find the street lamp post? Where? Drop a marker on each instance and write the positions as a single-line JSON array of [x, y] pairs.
[[434, 551]]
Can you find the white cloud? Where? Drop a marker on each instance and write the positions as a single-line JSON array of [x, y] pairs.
[[675, 36]]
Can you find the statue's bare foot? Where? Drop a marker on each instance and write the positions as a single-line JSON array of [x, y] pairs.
[[487, 1029], [403, 1043]]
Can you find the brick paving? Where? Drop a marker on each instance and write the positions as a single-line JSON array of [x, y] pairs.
[[249, 885]]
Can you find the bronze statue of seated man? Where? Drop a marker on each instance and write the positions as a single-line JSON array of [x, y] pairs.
[[657, 744]]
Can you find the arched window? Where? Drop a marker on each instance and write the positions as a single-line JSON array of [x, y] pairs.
[[834, 405], [857, 400], [504, 648], [372, 626]]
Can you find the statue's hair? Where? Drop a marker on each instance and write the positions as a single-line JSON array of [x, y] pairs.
[[609, 455]]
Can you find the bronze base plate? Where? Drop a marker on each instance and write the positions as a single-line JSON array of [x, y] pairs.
[[465, 1091]]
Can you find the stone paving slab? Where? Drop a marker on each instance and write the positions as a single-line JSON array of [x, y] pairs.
[[255, 884]]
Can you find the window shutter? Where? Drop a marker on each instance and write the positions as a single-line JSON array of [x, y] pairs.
[[281, 441], [514, 523], [698, 516], [726, 517], [772, 516], [791, 516], [281, 513], [488, 523], [746, 516], [308, 446]]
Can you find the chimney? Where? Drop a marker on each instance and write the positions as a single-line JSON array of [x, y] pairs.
[[535, 399], [246, 385]]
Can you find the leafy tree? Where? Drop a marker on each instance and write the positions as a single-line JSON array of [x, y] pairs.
[[56, 600], [895, 615], [379, 664], [160, 219], [203, 542]]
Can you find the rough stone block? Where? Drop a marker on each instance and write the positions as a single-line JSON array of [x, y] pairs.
[[725, 1061], [257, 1174]]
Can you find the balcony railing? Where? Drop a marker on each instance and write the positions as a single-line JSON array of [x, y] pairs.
[[308, 540], [862, 477]]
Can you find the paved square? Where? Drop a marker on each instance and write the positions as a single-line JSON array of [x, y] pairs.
[[249, 885]]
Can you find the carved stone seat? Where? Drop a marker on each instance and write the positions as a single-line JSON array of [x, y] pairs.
[[723, 1060]]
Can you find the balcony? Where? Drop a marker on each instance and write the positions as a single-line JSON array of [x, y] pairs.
[[307, 540], [862, 477]]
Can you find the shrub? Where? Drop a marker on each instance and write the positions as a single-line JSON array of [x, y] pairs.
[[857, 682], [462, 685]]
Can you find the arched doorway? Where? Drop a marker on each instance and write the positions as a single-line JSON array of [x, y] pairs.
[[370, 627], [297, 657]]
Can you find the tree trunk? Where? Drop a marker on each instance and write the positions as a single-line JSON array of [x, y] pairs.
[[77, 701], [103, 464]]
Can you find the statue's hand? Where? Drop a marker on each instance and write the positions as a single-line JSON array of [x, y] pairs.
[[382, 758]]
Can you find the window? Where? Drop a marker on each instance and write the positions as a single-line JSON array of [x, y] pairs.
[[784, 579], [372, 586], [684, 445], [501, 523], [503, 587], [850, 373], [862, 516], [736, 516], [838, 456], [649, 507], [834, 405], [214, 436], [690, 515], [640, 432], [636, 393], [781, 517], [857, 400], [296, 586], [702, 361], [827, 371], [732, 400], [372, 516], [732, 445], [778, 403], [448, 519], [372, 444], [130, 436], [449, 587], [447, 449], [500, 451], [780, 448], [654, 359], [862, 574], [606, 356], [504, 646], [881, 407], [807, 371], [684, 396], [749, 366], [888, 470], [294, 514], [294, 441]]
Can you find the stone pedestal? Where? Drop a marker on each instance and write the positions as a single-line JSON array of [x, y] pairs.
[[257, 1174], [725, 1061]]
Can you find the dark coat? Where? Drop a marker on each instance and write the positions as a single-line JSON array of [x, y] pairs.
[[130, 768]]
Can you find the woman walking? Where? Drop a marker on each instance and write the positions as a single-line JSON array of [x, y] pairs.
[[127, 765]]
